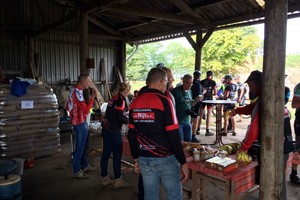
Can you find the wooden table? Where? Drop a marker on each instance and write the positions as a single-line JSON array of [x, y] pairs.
[[219, 104], [234, 183]]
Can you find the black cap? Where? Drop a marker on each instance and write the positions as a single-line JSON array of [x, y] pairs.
[[209, 73], [228, 76], [197, 73], [254, 75], [160, 65]]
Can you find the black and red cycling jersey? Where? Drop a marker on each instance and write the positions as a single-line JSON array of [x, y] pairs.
[[115, 113], [209, 86], [153, 127]]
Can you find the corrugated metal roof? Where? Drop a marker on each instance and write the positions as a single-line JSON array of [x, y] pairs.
[[136, 21]]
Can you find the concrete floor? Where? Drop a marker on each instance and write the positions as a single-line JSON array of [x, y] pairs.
[[51, 178]]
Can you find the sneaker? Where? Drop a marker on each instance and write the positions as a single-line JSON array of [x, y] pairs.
[[209, 134], [233, 133], [194, 139], [120, 183], [295, 179], [89, 168], [82, 175], [107, 180]]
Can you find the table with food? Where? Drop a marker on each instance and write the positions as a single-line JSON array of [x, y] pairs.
[[230, 169]]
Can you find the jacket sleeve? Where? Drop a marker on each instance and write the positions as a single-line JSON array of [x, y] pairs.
[[252, 133], [176, 146], [86, 107], [133, 144], [246, 110]]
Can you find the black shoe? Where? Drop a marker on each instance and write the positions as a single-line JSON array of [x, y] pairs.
[[233, 133], [223, 133], [295, 179], [209, 134], [194, 139], [198, 131]]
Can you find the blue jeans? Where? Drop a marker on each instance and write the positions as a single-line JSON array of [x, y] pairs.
[[185, 130], [112, 143], [165, 170], [80, 157]]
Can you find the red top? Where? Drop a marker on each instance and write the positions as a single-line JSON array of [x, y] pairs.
[[254, 127], [77, 107]]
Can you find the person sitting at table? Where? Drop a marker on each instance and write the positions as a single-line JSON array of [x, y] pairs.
[[115, 117], [229, 93], [183, 104]]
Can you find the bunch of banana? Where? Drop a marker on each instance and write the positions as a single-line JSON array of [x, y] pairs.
[[243, 157], [234, 147], [227, 148]]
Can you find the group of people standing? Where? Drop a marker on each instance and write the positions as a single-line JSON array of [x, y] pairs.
[[159, 118], [190, 109]]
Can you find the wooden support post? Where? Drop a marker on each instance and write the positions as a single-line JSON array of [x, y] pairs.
[[30, 55], [83, 47], [272, 100], [198, 50], [123, 60], [83, 41]]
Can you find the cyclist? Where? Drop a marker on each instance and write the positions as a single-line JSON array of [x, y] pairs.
[[209, 90], [229, 93]]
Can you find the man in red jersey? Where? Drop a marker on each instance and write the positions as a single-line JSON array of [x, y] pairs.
[[78, 111]]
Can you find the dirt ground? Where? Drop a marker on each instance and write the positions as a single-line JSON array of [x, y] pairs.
[[51, 178]]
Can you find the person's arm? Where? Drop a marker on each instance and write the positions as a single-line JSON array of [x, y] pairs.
[[82, 105], [246, 110], [133, 143], [252, 133], [226, 94], [120, 109], [242, 88]]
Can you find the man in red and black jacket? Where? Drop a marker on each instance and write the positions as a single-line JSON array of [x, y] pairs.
[[254, 82], [154, 139]]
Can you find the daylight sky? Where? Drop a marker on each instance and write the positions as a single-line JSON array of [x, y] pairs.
[[292, 43]]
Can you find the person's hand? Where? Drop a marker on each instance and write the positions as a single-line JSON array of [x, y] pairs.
[[93, 95], [239, 100], [184, 173], [137, 167]]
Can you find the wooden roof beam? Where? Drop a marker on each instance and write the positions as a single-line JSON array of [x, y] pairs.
[[104, 26], [156, 14], [180, 4], [190, 40], [66, 19]]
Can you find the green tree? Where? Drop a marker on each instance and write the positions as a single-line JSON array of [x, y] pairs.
[[225, 52], [229, 49], [293, 61], [180, 59], [146, 57]]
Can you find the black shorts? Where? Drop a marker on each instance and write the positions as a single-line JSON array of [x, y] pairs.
[[228, 107], [196, 110]]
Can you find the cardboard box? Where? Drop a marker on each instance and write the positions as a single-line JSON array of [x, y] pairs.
[[221, 164]]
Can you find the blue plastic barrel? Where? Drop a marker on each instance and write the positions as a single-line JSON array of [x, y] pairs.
[[10, 188]]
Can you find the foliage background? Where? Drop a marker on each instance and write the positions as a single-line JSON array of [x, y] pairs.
[[233, 51]]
